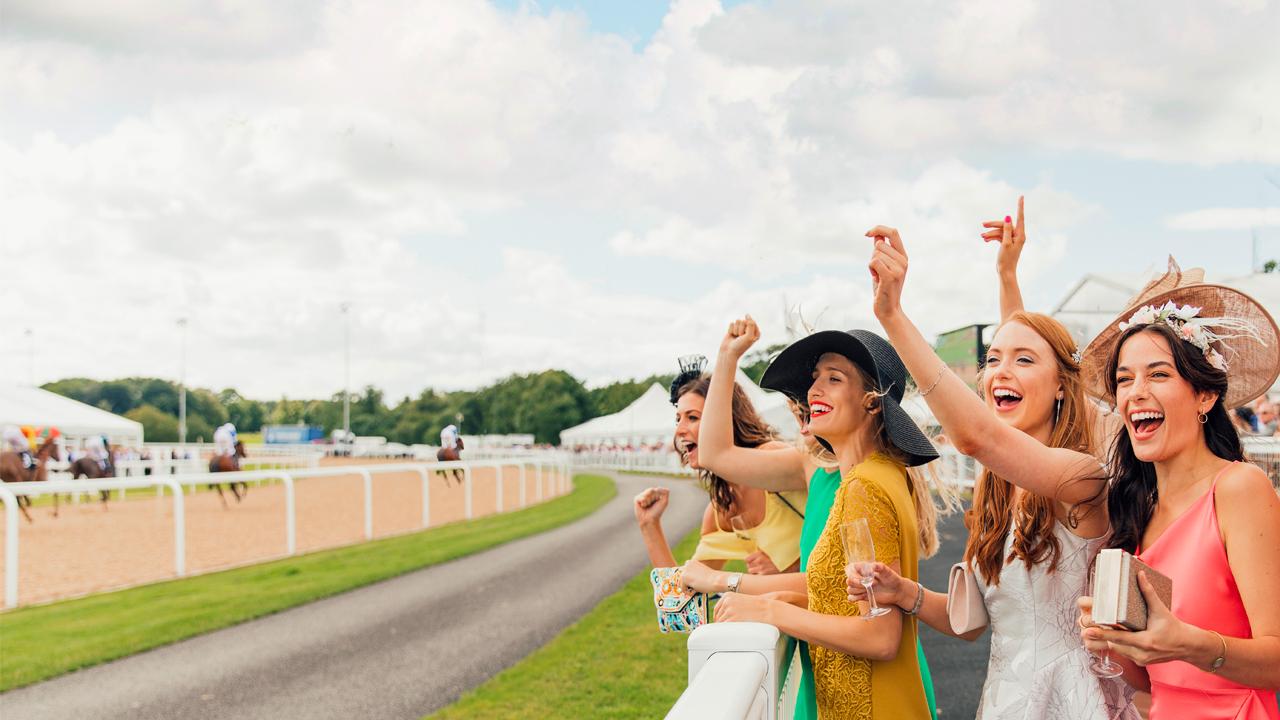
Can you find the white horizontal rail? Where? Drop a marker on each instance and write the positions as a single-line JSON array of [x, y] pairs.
[[9, 493], [737, 671]]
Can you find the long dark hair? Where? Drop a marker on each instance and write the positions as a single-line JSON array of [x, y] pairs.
[[749, 430], [1133, 495]]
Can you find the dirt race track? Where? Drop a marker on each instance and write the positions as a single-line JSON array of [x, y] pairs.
[[87, 549]]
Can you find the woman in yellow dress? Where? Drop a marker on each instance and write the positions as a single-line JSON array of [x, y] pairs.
[[864, 668]]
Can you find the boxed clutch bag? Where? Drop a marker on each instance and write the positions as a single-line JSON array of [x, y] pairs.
[[966, 609], [679, 610], [1117, 599]]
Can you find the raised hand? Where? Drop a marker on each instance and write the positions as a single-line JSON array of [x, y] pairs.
[[1011, 236], [888, 270], [650, 504], [740, 336]]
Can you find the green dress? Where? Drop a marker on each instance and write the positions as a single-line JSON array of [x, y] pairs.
[[822, 495]]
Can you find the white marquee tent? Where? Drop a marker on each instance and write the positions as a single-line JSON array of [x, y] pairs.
[[40, 408], [650, 419]]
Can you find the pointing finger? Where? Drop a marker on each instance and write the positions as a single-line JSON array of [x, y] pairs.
[[1021, 227]]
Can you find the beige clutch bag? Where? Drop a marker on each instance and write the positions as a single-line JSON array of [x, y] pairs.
[[965, 606]]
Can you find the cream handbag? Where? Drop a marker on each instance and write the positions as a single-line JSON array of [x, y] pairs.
[[965, 607]]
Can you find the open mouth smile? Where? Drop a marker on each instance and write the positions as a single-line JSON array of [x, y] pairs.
[[1145, 423], [818, 409], [1005, 399]]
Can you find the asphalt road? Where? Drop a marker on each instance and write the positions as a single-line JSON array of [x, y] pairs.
[[397, 649], [958, 667]]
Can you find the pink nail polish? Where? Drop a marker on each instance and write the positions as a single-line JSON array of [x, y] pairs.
[[1008, 219]]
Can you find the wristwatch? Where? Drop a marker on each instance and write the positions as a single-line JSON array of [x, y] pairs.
[[731, 584]]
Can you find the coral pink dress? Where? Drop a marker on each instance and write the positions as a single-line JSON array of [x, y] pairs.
[[1204, 594]]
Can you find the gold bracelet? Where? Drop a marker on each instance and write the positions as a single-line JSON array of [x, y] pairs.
[[936, 380], [1222, 658]]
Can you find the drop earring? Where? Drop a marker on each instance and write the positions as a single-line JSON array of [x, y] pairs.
[[1057, 411]]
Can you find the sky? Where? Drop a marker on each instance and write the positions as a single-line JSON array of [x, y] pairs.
[[599, 187]]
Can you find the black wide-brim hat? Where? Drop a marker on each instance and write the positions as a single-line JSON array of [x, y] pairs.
[[791, 373]]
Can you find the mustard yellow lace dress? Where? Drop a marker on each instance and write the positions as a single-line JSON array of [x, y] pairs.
[[847, 686]]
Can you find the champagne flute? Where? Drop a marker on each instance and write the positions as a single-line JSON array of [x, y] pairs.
[[860, 549], [1102, 666], [743, 530]]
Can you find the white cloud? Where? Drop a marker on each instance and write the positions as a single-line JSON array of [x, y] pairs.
[[1225, 219], [251, 166]]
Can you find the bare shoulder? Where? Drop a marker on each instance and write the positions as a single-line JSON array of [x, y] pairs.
[[1245, 488]]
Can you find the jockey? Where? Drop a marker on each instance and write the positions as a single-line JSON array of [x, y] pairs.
[[224, 440], [449, 437], [95, 447], [16, 441]]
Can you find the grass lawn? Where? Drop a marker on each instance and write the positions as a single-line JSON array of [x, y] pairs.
[[41, 642], [613, 663]]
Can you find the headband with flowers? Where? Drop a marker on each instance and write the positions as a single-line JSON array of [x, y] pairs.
[[1200, 332]]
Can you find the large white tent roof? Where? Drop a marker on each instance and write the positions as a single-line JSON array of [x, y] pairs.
[[650, 418], [21, 405]]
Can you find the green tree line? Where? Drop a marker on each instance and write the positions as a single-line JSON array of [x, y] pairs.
[[542, 404]]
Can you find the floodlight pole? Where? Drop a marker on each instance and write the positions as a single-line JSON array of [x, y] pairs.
[[346, 370], [182, 382]]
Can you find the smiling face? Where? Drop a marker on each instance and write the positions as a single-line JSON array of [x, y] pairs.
[[836, 399], [1160, 408], [688, 418], [1020, 380]]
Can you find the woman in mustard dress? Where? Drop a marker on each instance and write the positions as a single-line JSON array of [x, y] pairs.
[[854, 381]]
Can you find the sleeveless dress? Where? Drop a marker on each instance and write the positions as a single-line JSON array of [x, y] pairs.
[[847, 686], [822, 494], [777, 535], [1039, 670], [1191, 553]]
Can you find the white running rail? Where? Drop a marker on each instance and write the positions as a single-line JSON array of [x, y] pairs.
[[738, 671], [542, 467]]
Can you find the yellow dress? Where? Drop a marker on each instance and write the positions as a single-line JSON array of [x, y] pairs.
[[847, 686], [777, 535]]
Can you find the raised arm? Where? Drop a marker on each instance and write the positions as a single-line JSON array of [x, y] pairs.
[[1011, 454], [778, 468], [1011, 236]]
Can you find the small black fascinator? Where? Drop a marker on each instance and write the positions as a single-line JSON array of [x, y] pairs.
[[690, 369]]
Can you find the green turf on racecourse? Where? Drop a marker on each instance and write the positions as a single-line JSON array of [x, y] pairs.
[[41, 642], [612, 663]]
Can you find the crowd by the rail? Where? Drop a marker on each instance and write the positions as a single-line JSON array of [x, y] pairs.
[[1132, 443]]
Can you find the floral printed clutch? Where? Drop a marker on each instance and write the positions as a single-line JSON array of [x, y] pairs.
[[678, 610]]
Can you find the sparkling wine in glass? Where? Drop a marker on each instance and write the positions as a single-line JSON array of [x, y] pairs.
[[743, 530], [1102, 666], [860, 550]]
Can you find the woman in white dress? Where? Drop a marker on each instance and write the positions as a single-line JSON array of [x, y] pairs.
[[1030, 547]]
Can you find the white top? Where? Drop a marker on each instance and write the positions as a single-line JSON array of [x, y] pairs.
[[1039, 670], [449, 437]]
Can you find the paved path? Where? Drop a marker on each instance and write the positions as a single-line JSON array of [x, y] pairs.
[[397, 649], [959, 668]]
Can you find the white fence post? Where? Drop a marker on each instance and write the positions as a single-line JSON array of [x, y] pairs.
[[736, 670], [10, 547], [426, 495], [290, 515], [466, 480], [368, 503], [179, 527]]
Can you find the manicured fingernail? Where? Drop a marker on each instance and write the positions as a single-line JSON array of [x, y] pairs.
[[1008, 219]]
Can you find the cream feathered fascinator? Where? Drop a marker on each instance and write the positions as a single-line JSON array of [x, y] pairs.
[[1235, 333]]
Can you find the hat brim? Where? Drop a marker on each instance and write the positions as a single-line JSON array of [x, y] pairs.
[[1252, 367], [791, 373]]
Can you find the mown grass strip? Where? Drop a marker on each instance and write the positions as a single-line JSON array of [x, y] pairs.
[[41, 642], [613, 663]]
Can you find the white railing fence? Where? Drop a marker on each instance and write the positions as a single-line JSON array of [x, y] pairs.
[[738, 671], [952, 466], [543, 469]]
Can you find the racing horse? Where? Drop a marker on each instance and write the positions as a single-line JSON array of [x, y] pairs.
[[229, 463], [446, 454], [89, 468], [13, 470]]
